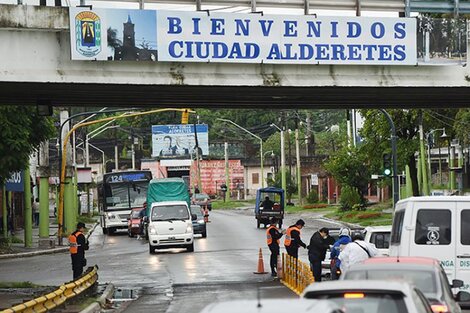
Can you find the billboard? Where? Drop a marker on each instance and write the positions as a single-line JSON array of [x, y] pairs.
[[179, 141]]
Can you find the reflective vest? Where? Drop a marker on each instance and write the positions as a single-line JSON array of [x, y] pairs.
[[73, 242], [269, 238], [288, 239]]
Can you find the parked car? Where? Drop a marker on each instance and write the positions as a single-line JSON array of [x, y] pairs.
[[425, 273], [135, 222], [365, 296], [199, 224], [273, 306], [202, 199]]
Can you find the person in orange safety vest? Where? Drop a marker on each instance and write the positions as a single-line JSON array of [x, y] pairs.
[[77, 246], [292, 241], [272, 239]]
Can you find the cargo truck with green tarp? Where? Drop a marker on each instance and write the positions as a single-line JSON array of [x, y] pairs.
[[167, 189], [168, 218]]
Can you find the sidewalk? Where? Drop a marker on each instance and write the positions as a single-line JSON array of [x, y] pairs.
[[19, 250]]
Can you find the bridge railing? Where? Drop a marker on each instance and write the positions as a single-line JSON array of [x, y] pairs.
[[63, 293]]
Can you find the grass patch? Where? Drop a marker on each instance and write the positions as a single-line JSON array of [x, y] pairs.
[[232, 204], [370, 217], [14, 239], [309, 208], [22, 284], [86, 219]]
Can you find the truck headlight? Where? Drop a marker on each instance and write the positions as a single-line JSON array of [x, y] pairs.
[[111, 215], [200, 222], [152, 231], [189, 228]]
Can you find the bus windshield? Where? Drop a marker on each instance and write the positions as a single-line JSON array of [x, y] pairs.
[[126, 195], [123, 190]]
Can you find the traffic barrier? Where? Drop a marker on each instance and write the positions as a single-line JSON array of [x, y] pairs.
[[296, 274], [59, 296], [260, 264]]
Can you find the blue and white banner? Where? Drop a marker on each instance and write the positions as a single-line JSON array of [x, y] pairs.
[[255, 38], [15, 182], [170, 141]]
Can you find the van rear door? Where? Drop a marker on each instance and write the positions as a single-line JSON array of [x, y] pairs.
[[463, 244], [434, 234]]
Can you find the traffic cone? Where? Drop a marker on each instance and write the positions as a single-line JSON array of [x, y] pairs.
[[260, 264]]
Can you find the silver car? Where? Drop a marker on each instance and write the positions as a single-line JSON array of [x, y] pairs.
[[273, 306], [366, 296], [425, 273]]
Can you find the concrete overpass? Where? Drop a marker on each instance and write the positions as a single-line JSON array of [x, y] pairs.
[[35, 65]]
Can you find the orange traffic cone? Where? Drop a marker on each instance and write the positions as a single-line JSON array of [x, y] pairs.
[[260, 264]]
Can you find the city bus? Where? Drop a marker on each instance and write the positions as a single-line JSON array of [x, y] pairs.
[[118, 194]]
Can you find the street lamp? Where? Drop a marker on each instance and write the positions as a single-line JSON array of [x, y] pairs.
[[260, 149], [428, 136], [283, 158]]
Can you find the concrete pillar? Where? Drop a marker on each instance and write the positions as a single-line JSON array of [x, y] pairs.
[[70, 214], [28, 210], [5, 212], [44, 190], [409, 183]]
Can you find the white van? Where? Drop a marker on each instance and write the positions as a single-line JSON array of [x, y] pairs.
[[436, 227], [170, 226], [380, 237]]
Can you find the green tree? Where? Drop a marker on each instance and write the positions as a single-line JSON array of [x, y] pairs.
[[22, 130], [350, 167]]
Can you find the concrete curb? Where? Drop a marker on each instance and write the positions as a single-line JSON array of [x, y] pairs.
[[49, 251], [96, 306]]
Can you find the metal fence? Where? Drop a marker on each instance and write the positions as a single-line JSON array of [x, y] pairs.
[[296, 275]]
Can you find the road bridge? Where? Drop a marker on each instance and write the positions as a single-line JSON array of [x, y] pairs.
[[36, 65]]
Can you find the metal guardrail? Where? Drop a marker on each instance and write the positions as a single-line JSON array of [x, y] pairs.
[[296, 275], [59, 296]]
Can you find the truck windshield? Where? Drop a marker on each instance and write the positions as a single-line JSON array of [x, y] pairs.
[[169, 213]]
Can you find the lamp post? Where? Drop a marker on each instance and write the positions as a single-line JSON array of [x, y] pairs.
[[267, 152], [283, 158], [428, 136], [257, 137], [444, 136]]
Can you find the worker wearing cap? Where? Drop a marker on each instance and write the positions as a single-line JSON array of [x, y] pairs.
[[292, 240], [78, 244]]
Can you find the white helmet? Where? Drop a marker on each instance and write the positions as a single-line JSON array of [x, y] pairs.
[[345, 232]]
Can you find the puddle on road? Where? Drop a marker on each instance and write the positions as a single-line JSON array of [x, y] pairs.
[[123, 296]]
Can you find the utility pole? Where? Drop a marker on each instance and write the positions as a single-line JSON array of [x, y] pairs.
[[28, 211], [422, 156], [393, 139], [299, 174], [227, 173]]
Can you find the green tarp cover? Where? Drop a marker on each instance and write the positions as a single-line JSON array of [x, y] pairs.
[[167, 189]]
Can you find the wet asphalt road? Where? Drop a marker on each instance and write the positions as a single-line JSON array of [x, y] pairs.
[[221, 268]]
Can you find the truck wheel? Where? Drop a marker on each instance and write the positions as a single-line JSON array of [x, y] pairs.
[[258, 224], [190, 248], [151, 249], [111, 231]]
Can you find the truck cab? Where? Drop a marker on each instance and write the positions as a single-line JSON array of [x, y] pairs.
[[170, 226]]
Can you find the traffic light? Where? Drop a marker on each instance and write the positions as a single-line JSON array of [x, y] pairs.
[[185, 117], [387, 164]]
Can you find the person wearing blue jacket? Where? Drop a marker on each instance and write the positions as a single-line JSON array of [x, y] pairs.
[[344, 239]]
